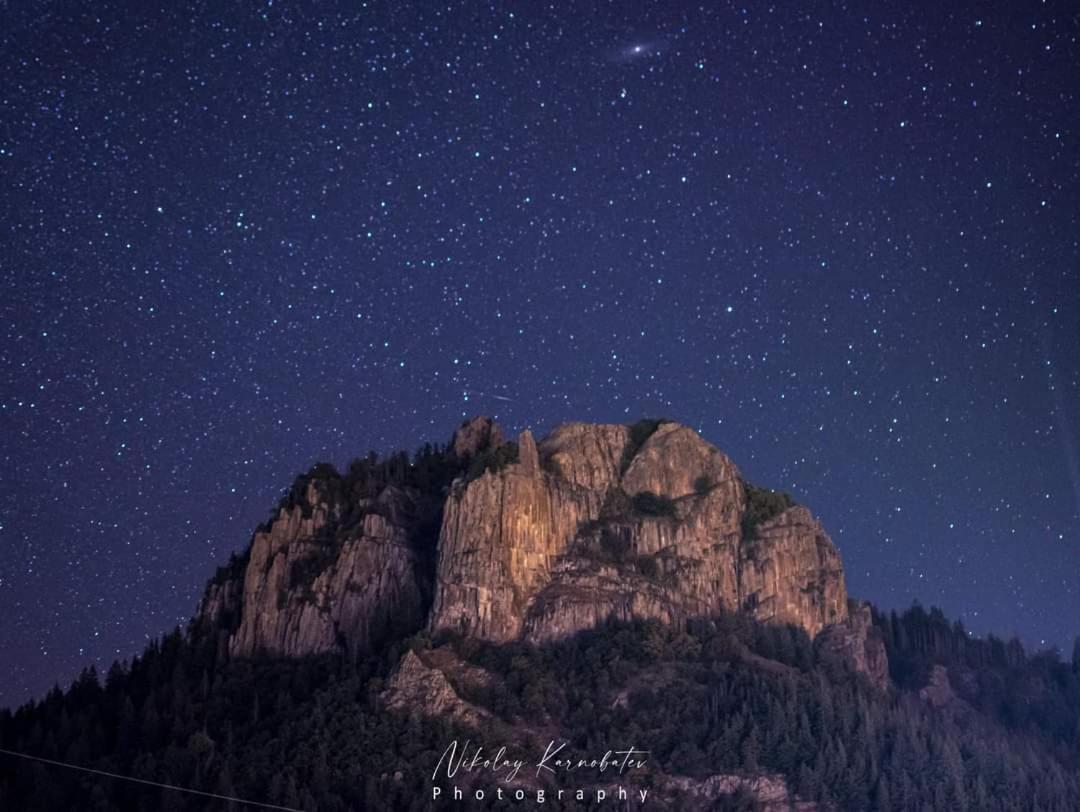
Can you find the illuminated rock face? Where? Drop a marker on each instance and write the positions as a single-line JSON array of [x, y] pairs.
[[595, 522], [500, 536], [562, 541]]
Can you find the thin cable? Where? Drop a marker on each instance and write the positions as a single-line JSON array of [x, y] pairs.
[[144, 781]]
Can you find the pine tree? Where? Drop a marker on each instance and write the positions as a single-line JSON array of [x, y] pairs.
[[882, 801]]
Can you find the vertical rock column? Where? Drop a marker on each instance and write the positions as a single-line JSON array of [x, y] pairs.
[[500, 535]]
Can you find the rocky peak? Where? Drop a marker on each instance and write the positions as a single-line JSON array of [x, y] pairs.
[[675, 462], [528, 454], [642, 521], [475, 435], [585, 454], [530, 540], [858, 643], [791, 572], [415, 686], [344, 563]]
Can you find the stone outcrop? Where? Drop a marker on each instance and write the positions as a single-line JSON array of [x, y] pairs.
[[415, 686], [939, 691], [769, 793], [222, 602], [792, 573], [586, 455], [595, 523], [369, 589], [535, 541], [500, 535], [311, 586], [474, 436], [857, 642]]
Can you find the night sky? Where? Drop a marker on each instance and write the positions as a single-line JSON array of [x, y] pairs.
[[842, 243]]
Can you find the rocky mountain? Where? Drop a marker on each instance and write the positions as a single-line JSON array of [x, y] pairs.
[[602, 588], [313, 585], [501, 541]]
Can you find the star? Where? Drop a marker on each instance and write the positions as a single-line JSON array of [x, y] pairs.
[[721, 214]]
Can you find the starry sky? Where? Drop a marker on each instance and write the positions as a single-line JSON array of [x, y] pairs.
[[841, 242]]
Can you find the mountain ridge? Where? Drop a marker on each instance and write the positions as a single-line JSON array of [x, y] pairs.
[[506, 540], [739, 708]]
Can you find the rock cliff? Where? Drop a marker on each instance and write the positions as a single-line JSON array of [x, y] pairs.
[[417, 686], [603, 522], [503, 541], [858, 643], [325, 574]]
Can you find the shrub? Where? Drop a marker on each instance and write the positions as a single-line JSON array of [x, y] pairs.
[[234, 570], [651, 504], [617, 505], [647, 566], [492, 459], [762, 504], [614, 545], [328, 482], [639, 433]]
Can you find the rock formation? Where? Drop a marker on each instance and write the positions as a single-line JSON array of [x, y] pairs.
[[474, 436], [594, 524], [769, 793], [313, 585], [535, 541], [858, 643], [415, 685]]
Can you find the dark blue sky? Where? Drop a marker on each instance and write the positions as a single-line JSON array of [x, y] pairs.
[[841, 242]]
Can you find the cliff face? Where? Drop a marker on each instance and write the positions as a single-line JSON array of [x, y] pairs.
[[858, 643], [500, 535], [535, 541], [792, 573], [367, 593], [313, 584], [598, 523]]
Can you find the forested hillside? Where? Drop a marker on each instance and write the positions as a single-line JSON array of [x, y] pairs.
[[720, 696]]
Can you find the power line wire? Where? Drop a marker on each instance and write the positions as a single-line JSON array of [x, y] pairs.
[[145, 781]]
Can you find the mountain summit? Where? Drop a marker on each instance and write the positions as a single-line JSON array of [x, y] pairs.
[[501, 540], [495, 620]]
